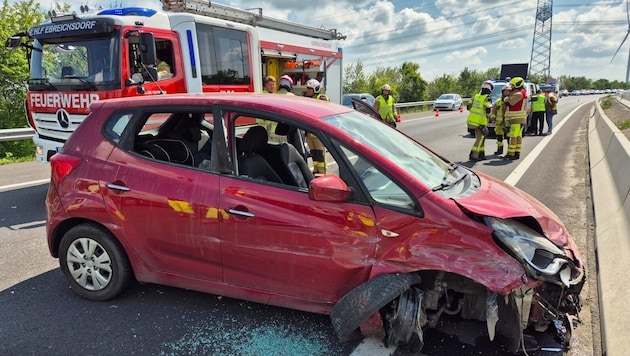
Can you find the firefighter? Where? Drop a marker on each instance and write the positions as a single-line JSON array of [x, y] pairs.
[[538, 114], [270, 84], [498, 113], [384, 105], [516, 116], [551, 108], [285, 85], [313, 88], [480, 112], [316, 147]]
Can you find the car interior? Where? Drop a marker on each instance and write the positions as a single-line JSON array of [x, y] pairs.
[[186, 139]]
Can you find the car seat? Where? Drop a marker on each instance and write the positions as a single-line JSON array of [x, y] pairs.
[[286, 160], [250, 162]]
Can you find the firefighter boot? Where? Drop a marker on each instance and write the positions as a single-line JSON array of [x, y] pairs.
[[499, 151]]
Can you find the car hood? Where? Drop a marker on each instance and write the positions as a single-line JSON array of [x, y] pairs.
[[445, 100], [499, 199]]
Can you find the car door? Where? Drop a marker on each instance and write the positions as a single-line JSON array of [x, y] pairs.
[[362, 107], [166, 212], [274, 238]]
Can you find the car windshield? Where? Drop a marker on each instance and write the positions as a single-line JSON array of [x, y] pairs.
[[497, 91], [75, 65], [347, 99], [406, 153], [446, 97]]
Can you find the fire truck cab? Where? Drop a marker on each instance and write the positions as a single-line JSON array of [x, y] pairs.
[[193, 46]]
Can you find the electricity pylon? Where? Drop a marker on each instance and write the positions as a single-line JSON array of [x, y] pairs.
[[540, 62]]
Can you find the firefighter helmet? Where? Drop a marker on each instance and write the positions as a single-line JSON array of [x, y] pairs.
[[487, 85], [386, 87], [313, 84], [517, 82], [286, 82]]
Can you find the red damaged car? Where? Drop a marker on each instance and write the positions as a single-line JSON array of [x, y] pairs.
[[215, 193]]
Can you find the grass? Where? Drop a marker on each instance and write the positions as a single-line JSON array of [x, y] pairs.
[[9, 158]]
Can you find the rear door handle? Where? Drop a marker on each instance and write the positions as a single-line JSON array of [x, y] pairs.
[[246, 214], [118, 187]]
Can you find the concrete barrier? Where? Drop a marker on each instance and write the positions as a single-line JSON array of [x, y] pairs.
[[609, 155]]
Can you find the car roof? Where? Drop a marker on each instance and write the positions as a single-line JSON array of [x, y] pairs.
[[266, 102]]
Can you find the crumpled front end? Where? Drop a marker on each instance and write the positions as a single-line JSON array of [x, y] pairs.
[[552, 304]]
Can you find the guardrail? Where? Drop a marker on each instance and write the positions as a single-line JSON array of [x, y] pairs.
[[609, 154], [16, 134]]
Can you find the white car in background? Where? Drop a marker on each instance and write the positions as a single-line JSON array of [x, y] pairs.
[[448, 102]]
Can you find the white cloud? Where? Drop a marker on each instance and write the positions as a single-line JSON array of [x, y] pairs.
[[445, 36]]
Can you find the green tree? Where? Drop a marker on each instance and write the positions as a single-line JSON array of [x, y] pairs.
[[382, 76], [354, 80], [573, 83], [447, 83], [411, 87], [471, 80], [14, 73], [601, 84]]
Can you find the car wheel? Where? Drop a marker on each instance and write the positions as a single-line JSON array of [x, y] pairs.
[[403, 322], [368, 298], [93, 262]]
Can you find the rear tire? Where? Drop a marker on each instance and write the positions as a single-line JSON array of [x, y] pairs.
[[94, 263]]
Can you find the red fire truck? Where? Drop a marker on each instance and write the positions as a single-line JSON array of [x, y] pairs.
[[192, 46]]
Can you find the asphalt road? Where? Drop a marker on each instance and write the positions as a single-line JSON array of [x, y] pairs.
[[42, 316]]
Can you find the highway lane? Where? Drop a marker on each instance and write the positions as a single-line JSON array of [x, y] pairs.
[[42, 316]]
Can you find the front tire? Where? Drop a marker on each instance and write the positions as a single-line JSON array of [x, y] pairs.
[[94, 263], [366, 299]]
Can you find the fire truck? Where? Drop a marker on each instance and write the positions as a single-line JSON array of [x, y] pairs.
[[192, 46]]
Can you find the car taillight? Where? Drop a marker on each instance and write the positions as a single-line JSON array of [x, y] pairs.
[[61, 165], [29, 116]]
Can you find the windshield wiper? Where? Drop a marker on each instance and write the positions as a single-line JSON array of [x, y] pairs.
[[446, 184], [83, 80], [43, 81]]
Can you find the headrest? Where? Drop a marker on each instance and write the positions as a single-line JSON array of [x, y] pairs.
[[255, 139], [282, 129], [192, 134]]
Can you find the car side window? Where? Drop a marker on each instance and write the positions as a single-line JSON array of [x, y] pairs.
[[116, 125], [276, 151], [380, 187], [183, 138]]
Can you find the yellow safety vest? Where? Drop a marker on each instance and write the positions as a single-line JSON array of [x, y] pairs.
[[477, 116], [499, 110], [539, 104], [386, 108]]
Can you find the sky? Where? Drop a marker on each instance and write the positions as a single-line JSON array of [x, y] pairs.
[[445, 36]]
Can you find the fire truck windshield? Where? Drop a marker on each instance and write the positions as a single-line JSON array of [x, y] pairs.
[[76, 64]]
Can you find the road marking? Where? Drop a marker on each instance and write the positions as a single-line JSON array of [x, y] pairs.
[[373, 346], [24, 184], [522, 168]]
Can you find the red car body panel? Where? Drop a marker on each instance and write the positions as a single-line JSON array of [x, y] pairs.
[[177, 229]]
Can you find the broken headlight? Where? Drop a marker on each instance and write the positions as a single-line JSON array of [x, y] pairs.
[[539, 256]]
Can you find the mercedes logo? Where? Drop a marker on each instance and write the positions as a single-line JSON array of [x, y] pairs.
[[63, 119]]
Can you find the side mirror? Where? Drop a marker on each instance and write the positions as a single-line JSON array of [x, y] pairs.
[[329, 188], [150, 74], [13, 43], [136, 78], [148, 54]]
